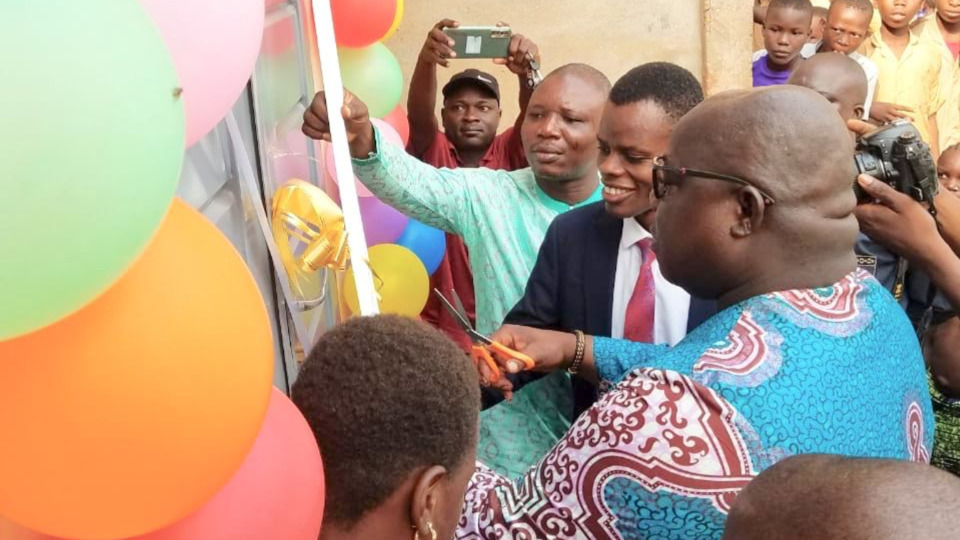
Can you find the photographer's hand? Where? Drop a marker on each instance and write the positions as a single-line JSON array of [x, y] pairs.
[[905, 227], [861, 128], [896, 221], [947, 204]]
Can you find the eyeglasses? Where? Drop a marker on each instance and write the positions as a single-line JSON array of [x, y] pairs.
[[665, 176]]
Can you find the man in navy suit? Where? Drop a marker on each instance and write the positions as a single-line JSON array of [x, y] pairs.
[[596, 271]]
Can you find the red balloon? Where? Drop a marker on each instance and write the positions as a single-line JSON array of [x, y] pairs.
[[361, 23], [278, 492], [398, 120]]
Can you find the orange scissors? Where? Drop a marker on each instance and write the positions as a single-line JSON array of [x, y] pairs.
[[482, 345]]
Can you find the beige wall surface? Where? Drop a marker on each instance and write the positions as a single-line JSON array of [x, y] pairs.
[[611, 35]]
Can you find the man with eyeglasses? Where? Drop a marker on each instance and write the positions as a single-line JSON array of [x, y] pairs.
[[596, 270], [807, 355]]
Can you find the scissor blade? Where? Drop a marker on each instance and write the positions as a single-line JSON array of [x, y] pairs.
[[456, 300], [477, 336], [460, 318]]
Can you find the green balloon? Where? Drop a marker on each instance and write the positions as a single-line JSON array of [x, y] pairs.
[[93, 132], [373, 75]]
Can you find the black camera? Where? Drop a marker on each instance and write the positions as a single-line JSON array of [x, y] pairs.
[[897, 156]]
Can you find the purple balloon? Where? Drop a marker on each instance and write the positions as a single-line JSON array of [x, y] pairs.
[[381, 223]]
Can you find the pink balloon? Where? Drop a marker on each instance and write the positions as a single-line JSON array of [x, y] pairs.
[[278, 493], [387, 134], [381, 223], [398, 120], [214, 45]]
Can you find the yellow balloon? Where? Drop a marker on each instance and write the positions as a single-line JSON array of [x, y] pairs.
[[400, 278], [396, 22]]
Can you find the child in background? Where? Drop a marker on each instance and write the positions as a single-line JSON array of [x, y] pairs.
[[819, 23], [848, 25], [948, 169], [942, 28], [909, 84], [786, 29]]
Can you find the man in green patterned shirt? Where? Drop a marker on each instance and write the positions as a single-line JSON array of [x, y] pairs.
[[502, 216]]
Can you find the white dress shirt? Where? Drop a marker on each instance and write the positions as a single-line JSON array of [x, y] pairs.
[[672, 302]]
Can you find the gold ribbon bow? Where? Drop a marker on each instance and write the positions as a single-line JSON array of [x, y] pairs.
[[310, 235]]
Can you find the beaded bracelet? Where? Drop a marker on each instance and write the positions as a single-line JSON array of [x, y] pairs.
[[578, 355]]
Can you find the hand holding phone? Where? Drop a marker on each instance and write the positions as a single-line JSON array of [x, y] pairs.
[[480, 41], [438, 48], [523, 56]]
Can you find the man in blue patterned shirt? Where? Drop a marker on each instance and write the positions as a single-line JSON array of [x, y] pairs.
[[807, 354]]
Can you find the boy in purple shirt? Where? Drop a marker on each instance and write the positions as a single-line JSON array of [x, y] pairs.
[[786, 29]]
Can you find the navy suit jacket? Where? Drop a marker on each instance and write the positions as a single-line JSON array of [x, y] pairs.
[[571, 286]]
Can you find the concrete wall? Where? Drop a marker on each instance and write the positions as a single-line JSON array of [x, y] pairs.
[[711, 38]]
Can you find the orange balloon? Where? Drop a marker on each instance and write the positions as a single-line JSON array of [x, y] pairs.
[[10, 531], [130, 414]]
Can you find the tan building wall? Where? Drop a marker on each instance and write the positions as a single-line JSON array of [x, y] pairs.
[[711, 38]]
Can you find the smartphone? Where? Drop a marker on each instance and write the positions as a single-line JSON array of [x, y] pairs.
[[480, 41]]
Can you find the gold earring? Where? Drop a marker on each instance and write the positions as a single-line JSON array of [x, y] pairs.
[[433, 532]]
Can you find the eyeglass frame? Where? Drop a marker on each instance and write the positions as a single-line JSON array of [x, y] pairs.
[[660, 167]]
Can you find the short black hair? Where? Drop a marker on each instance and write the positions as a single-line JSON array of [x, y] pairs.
[[821, 12], [668, 85], [799, 5], [860, 5], [385, 395]]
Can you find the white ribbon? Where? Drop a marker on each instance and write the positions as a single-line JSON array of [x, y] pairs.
[[333, 86]]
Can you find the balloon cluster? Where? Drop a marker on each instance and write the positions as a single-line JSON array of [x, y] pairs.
[[404, 252], [136, 352]]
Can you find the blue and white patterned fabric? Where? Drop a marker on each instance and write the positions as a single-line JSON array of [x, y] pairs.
[[665, 451]]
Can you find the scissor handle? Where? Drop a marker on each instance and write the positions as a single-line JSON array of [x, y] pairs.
[[480, 353], [507, 352]]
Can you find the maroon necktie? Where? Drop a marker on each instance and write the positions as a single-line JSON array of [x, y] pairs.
[[638, 323]]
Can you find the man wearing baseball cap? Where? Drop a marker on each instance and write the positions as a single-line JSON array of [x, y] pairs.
[[471, 117]]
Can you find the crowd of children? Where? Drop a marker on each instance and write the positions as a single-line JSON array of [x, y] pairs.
[[908, 51]]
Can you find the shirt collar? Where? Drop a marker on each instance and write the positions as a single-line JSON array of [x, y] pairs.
[[811, 48], [930, 30], [632, 233], [484, 161], [877, 41], [560, 206]]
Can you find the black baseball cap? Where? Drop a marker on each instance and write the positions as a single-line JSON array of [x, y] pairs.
[[473, 77]]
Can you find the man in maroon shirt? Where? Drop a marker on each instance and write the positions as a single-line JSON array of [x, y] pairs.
[[471, 115]]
